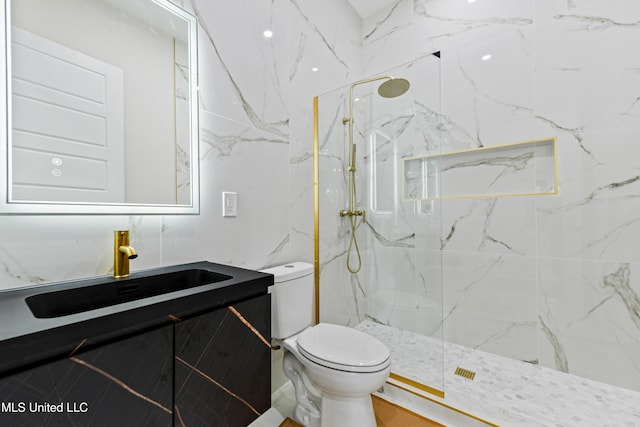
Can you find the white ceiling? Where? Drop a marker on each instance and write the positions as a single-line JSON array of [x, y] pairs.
[[367, 7]]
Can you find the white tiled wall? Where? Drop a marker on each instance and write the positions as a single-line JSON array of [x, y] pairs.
[[546, 279]]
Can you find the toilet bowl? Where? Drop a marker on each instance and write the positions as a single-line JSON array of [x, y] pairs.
[[334, 369]]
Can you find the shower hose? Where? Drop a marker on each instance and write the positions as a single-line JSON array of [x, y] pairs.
[[353, 241]]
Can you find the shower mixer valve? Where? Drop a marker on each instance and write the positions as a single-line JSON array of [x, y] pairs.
[[345, 212]]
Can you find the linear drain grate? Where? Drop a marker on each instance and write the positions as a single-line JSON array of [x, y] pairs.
[[465, 373]]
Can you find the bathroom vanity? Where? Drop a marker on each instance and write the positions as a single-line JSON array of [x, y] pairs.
[[107, 352]]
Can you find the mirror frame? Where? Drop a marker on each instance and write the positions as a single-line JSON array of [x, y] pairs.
[[89, 208]]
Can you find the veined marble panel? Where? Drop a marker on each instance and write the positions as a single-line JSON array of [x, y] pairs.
[[589, 322], [488, 92], [56, 249], [588, 88], [246, 72], [323, 36], [501, 225], [341, 301], [595, 215], [240, 158], [386, 29], [451, 25], [490, 303]]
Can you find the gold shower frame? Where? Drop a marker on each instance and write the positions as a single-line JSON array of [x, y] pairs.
[[316, 257], [398, 381]]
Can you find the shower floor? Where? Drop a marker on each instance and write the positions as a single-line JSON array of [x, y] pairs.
[[504, 391]]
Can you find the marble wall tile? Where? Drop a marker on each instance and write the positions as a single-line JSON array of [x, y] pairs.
[[588, 319], [594, 216], [42, 249], [576, 82], [451, 25], [386, 29], [505, 225], [587, 88], [324, 39], [183, 143], [490, 303], [495, 78], [252, 163], [244, 74], [325, 36]]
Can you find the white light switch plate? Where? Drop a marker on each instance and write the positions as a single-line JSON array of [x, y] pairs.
[[229, 204]]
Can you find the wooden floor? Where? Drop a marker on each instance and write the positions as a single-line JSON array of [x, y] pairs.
[[288, 422], [391, 415], [387, 415]]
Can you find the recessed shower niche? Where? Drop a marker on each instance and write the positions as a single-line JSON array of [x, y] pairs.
[[526, 168]]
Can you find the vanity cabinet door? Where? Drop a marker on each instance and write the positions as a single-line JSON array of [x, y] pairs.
[[223, 366], [126, 383]]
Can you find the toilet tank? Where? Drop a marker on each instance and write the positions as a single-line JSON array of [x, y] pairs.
[[291, 298]]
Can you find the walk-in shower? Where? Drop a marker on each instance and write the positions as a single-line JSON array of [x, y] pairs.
[[391, 283], [390, 88]]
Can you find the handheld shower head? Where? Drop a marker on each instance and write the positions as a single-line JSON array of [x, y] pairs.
[[393, 87]]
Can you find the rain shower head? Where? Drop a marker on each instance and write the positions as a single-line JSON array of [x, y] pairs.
[[390, 88], [393, 87]]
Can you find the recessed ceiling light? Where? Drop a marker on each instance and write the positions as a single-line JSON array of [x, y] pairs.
[[314, 69], [471, 1], [268, 33], [486, 57]]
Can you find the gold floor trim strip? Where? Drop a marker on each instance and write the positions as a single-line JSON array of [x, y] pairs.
[[417, 385], [489, 423]]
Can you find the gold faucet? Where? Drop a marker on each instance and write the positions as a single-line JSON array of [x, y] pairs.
[[122, 254]]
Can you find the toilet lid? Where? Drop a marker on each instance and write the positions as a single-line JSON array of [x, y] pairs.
[[343, 348]]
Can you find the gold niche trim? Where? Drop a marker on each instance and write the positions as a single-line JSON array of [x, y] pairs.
[[553, 140], [465, 373]]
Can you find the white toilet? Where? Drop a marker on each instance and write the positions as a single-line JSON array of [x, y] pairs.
[[333, 368]]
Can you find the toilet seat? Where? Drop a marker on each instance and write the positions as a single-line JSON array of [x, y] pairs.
[[343, 348]]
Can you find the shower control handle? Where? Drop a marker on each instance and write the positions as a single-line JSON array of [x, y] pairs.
[[345, 212]]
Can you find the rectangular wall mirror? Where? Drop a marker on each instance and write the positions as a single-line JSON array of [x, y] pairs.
[[102, 108]]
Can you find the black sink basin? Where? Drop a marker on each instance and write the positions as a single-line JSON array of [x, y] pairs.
[[112, 292]]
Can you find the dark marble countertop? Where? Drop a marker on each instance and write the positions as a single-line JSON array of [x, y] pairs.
[[26, 340]]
